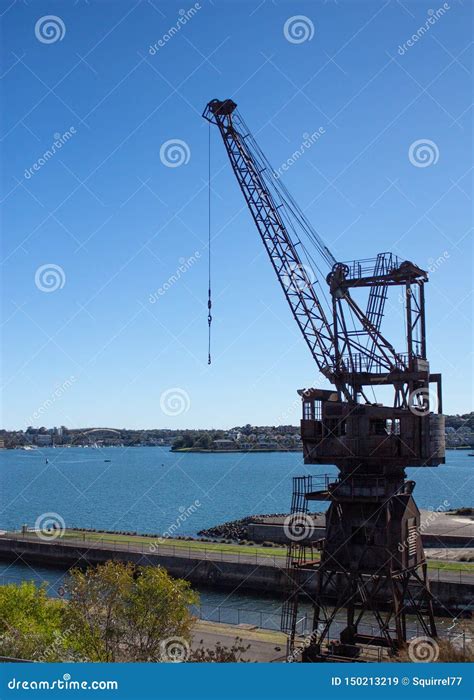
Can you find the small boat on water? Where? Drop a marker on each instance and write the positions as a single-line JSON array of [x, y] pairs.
[[107, 460]]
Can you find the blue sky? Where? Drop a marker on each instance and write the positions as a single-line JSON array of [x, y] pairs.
[[117, 222]]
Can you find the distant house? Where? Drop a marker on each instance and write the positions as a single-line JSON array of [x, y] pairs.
[[267, 444], [43, 440], [244, 445], [224, 444]]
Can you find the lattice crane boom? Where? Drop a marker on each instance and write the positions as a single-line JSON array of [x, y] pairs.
[[291, 272], [347, 358]]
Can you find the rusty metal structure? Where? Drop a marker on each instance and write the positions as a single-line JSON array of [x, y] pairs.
[[370, 567]]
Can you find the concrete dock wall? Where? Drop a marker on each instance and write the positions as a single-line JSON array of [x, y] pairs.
[[450, 596]]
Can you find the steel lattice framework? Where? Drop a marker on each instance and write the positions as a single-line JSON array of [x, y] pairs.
[[371, 559]]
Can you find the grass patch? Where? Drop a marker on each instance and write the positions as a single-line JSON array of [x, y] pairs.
[[450, 566], [186, 545], [196, 545]]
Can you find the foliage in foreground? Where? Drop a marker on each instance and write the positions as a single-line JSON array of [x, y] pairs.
[[30, 622], [115, 612], [123, 613]]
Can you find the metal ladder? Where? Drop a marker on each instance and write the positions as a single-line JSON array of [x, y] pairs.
[[295, 558]]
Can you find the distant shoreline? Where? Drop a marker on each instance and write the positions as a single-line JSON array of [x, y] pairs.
[[253, 449]]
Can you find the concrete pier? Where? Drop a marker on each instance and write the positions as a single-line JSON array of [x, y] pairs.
[[438, 529]]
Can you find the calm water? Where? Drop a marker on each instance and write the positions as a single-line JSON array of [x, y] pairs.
[[219, 606], [143, 489], [146, 489]]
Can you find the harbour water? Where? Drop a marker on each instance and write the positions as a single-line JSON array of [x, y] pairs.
[[148, 489]]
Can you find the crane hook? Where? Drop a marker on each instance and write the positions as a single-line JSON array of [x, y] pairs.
[[209, 321]]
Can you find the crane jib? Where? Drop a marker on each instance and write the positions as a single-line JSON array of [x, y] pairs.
[[339, 352]]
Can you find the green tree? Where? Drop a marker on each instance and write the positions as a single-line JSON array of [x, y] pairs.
[[123, 613], [30, 623], [188, 439], [204, 441], [178, 443]]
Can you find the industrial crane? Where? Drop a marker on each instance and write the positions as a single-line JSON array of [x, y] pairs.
[[371, 558]]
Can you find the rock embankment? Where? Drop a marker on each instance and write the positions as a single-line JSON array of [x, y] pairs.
[[236, 529]]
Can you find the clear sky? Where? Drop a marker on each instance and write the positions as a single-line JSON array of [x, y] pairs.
[[95, 330]]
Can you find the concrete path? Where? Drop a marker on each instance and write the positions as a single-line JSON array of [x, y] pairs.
[[266, 645]]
